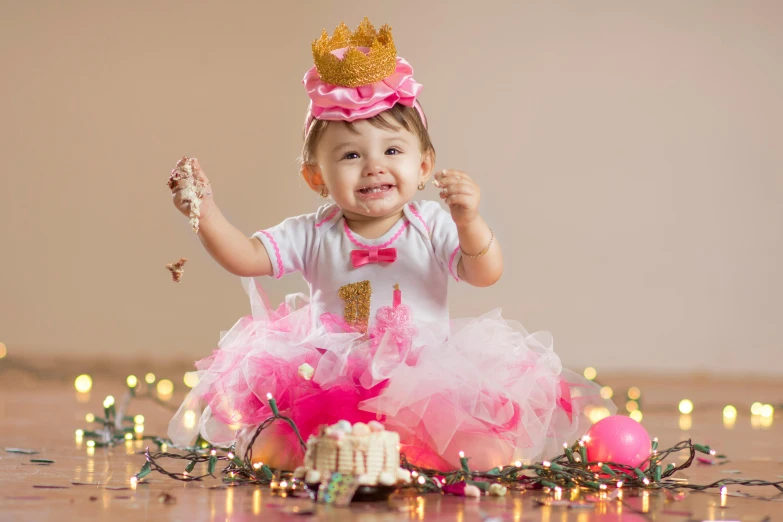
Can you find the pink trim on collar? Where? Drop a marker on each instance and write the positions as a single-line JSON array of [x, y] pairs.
[[451, 263], [374, 247], [416, 213], [277, 254], [327, 218]]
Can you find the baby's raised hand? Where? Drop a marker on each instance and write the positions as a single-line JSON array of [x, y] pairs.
[[460, 193], [190, 189]]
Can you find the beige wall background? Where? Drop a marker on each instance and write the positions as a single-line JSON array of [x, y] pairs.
[[629, 155]]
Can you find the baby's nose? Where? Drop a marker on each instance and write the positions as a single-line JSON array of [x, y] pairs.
[[375, 170]]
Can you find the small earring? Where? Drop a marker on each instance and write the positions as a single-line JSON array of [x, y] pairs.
[[324, 193], [421, 186]]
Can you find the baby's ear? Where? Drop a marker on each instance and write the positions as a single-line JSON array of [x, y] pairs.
[[427, 165], [312, 176]]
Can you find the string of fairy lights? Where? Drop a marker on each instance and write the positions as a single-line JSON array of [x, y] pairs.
[[565, 474]]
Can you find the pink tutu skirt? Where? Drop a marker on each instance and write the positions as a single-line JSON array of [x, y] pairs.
[[481, 385]]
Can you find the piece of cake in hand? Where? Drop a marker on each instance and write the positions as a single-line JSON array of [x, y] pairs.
[[367, 452], [176, 269], [193, 190]]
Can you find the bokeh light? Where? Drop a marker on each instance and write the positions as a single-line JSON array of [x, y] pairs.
[[631, 406], [83, 383], [755, 408], [636, 415], [190, 379], [590, 373], [607, 392], [132, 381], [686, 407], [634, 393], [3, 350], [150, 378], [165, 387]]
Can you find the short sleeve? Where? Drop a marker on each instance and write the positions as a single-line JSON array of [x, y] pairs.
[[291, 244], [443, 234]]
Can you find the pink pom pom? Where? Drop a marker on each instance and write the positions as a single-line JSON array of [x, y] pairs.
[[618, 439]]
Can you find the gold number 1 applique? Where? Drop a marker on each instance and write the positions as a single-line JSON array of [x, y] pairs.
[[357, 304]]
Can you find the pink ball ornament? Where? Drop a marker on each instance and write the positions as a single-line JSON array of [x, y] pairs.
[[618, 439]]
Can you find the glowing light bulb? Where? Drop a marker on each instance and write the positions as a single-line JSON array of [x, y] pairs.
[[83, 383], [730, 412], [686, 406], [129, 436], [132, 381], [89, 417], [518, 463], [422, 480], [767, 410], [268, 396], [90, 443], [149, 378], [636, 415], [607, 392], [590, 373], [108, 401], [79, 433], [138, 419], [756, 408], [462, 454], [634, 393]]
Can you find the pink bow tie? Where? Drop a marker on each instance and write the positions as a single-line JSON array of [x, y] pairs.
[[381, 255]]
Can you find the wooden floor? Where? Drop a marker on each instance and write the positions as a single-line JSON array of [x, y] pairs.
[[42, 412]]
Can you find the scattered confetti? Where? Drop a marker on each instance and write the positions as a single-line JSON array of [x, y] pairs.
[[166, 498], [21, 450]]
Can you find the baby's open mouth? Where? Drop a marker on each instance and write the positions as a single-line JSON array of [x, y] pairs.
[[376, 189]]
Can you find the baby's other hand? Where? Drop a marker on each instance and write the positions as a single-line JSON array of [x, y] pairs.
[[460, 193]]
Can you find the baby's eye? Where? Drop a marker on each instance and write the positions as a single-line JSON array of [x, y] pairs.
[[392, 151], [350, 155]]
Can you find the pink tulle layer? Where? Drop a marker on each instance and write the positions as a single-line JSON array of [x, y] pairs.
[[481, 385]]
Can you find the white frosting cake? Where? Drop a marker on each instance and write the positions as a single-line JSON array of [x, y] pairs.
[[366, 451]]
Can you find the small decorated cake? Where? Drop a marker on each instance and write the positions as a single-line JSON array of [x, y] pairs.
[[366, 452], [183, 177]]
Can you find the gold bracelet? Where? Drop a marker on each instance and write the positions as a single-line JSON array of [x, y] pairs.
[[486, 248]]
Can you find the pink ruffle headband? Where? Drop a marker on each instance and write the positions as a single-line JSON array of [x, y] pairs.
[[333, 102]]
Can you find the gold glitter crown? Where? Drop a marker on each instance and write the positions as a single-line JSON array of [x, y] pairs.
[[356, 68]]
